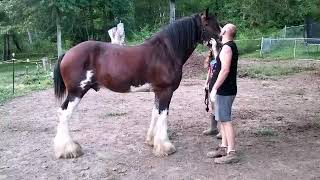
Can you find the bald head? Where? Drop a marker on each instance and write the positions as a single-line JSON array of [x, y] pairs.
[[229, 30]]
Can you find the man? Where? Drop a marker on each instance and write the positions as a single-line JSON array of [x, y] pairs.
[[223, 93]]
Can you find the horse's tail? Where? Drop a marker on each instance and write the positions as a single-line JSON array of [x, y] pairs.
[[59, 86]]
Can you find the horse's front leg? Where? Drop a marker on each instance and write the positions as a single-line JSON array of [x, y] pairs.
[[161, 142], [64, 146], [151, 131]]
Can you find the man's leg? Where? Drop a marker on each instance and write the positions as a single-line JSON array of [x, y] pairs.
[[224, 142], [222, 149], [231, 156], [229, 135]]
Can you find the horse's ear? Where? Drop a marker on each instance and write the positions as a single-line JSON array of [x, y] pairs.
[[206, 14]]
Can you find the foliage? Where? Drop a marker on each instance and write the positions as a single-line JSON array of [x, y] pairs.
[[90, 19], [25, 80], [272, 70]]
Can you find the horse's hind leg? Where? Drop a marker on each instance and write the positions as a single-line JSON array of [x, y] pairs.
[[162, 144], [64, 146]]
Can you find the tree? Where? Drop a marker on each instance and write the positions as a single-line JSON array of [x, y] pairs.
[[172, 10]]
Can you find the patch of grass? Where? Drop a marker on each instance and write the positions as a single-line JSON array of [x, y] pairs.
[[25, 81], [266, 71], [115, 114], [261, 132]]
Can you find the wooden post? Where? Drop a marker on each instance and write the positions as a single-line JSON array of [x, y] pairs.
[[261, 47], [294, 49], [27, 67], [44, 63], [13, 73]]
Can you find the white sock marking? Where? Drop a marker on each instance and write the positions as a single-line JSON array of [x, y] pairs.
[[87, 80], [152, 129], [63, 133], [162, 127]]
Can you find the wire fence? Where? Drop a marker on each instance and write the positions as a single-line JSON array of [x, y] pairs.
[[290, 48], [18, 76]]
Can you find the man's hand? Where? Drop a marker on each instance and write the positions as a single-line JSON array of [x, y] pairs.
[[206, 86], [213, 95]]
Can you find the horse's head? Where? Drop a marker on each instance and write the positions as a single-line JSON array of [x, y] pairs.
[[209, 28]]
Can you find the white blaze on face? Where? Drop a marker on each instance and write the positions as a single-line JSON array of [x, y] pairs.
[[88, 79], [63, 134]]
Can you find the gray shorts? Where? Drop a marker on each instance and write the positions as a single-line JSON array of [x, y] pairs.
[[222, 108]]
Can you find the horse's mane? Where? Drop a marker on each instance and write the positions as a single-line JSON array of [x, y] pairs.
[[183, 34]]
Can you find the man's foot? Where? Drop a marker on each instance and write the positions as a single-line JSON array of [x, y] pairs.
[[219, 136], [210, 132], [231, 157], [219, 152]]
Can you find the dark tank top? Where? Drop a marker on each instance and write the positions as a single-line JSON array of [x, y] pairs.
[[229, 86]]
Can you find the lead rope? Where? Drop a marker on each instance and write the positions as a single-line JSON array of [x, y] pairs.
[[206, 99]]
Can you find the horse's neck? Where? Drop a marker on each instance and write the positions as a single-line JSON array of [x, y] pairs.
[[188, 54]]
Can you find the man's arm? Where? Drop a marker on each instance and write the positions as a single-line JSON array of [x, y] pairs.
[[225, 57]]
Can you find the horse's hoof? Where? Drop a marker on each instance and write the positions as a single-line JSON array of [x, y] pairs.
[[164, 149], [149, 141], [68, 150]]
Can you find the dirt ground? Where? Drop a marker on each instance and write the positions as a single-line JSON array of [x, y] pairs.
[[277, 124]]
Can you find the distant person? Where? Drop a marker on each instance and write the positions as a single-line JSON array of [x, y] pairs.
[[223, 94]]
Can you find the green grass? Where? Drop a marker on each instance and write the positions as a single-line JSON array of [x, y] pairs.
[[25, 81], [265, 132], [114, 114], [267, 71]]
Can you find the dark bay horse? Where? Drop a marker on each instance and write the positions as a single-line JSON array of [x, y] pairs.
[[156, 63]]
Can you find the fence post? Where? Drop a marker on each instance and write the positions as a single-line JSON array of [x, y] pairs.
[[13, 72], [294, 49], [44, 63], [285, 31], [261, 46], [27, 67]]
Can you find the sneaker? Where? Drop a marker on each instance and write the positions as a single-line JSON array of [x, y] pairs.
[[219, 152], [231, 157], [210, 132], [219, 136]]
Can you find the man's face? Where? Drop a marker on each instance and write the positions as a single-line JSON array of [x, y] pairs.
[[223, 31], [221, 34]]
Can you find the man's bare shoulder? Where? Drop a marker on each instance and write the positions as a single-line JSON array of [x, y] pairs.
[[226, 49]]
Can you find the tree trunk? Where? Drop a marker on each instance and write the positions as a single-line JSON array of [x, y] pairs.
[[172, 10], [91, 20], [59, 44], [30, 37], [4, 47]]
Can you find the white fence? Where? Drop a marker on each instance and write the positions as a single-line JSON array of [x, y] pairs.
[[296, 48]]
